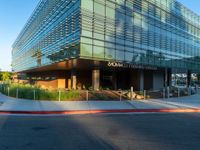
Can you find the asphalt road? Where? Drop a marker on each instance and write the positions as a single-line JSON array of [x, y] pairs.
[[101, 132]]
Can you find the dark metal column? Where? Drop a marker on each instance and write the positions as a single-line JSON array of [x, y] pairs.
[[188, 78]]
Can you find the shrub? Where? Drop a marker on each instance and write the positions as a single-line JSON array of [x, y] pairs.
[[26, 91]]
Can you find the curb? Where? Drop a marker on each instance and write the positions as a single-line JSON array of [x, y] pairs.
[[84, 112]]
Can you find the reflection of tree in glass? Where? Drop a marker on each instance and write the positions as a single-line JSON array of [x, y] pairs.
[[65, 53], [38, 56]]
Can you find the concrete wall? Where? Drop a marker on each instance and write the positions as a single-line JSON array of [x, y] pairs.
[[148, 80], [61, 83], [158, 80], [137, 80], [60, 80], [20, 81], [47, 84], [53, 84]]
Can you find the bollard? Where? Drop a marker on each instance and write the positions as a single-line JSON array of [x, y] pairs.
[[168, 92], [163, 93], [59, 95], [131, 93], [145, 93], [86, 95], [120, 97]]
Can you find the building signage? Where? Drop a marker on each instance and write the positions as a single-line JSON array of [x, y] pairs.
[[125, 65]]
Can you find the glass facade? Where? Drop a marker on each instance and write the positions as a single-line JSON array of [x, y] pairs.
[[161, 33], [52, 34]]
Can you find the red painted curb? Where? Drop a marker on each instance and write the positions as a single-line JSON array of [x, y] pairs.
[[70, 112]]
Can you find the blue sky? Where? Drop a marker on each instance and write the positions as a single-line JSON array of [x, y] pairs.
[[191, 4], [14, 14]]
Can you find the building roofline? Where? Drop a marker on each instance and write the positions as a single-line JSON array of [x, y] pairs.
[[29, 21]]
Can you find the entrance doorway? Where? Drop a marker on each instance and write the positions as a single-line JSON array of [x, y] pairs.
[[106, 79], [118, 79], [123, 79]]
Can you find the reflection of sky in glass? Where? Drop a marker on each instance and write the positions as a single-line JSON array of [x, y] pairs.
[[139, 31]]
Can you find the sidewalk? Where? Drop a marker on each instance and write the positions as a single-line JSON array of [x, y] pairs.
[[184, 104]]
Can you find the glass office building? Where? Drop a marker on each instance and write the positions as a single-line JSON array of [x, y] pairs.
[[109, 43]]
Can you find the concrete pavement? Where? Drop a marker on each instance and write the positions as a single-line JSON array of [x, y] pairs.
[[188, 103]]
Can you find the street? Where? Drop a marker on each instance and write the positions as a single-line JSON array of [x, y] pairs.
[[101, 132]]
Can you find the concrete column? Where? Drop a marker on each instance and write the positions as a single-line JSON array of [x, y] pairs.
[[73, 79], [114, 80], [141, 80], [188, 78], [96, 79]]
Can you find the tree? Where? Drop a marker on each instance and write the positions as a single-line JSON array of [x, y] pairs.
[[0, 76], [6, 76]]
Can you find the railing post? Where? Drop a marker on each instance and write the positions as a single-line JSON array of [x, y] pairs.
[[168, 92], [131, 93], [34, 94], [189, 91], [163, 93], [17, 93], [8, 91], [59, 95], [178, 92], [196, 88], [86, 95], [120, 97], [145, 93]]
